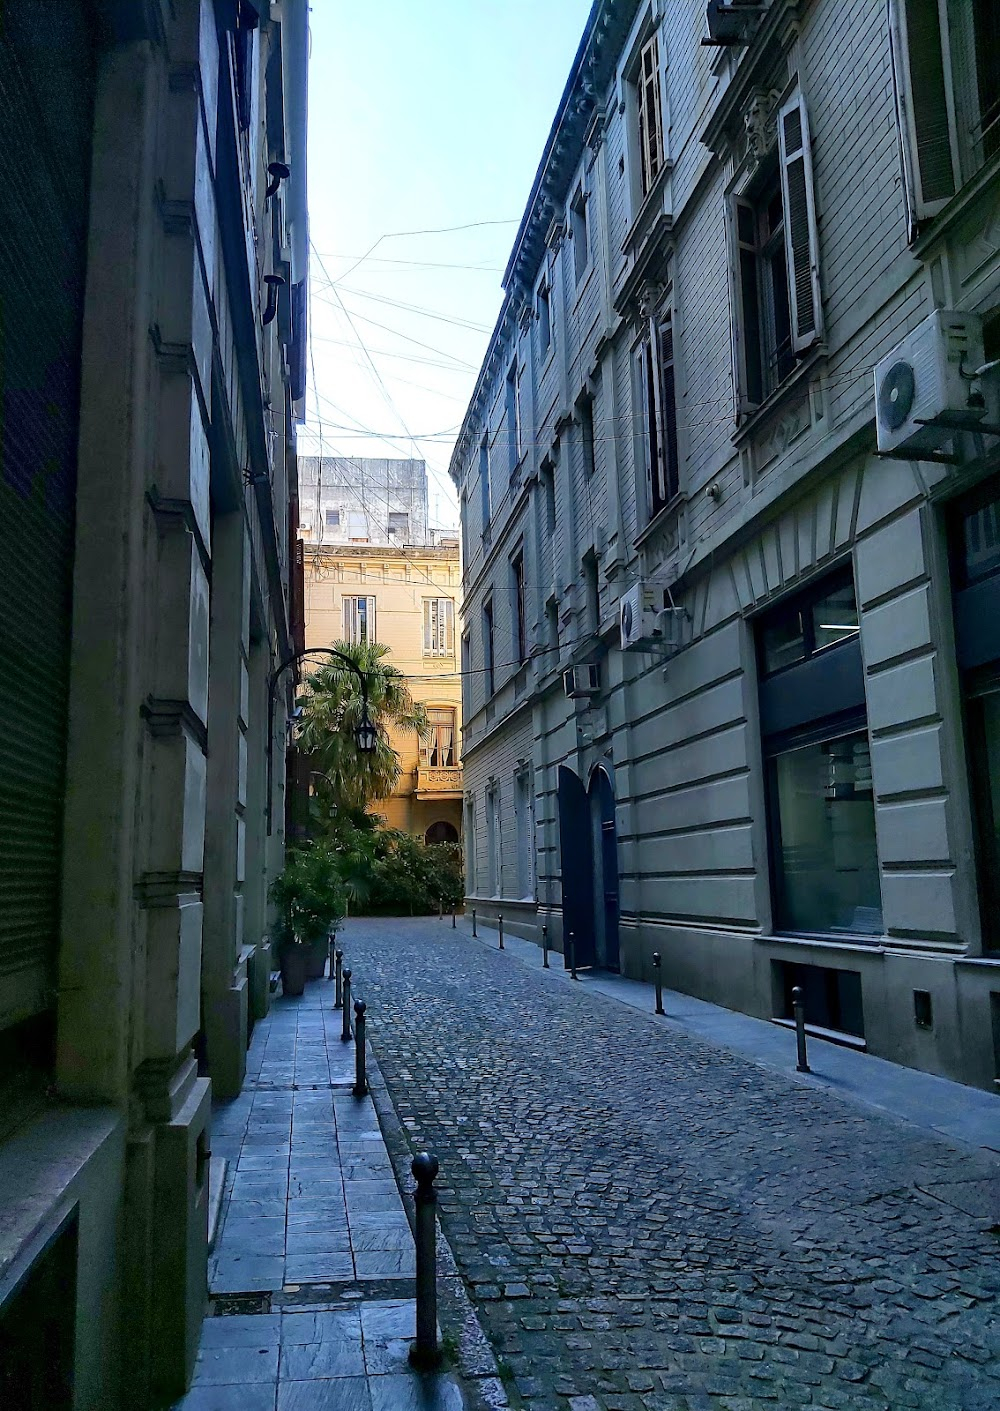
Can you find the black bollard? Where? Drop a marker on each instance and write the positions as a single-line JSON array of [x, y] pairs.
[[658, 978], [454, 923], [440, 910], [545, 947], [338, 999], [329, 951], [424, 1351], [360, 1078], [474, 922], [346, 1033], [571, 947], [500, 929], [799, 1010]]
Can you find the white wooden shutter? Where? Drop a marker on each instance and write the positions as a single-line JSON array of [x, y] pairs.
[[925, 99], [801, 237], [350, 619], [741, 223], [370, 633], [650, 113], [447, 608], [428, 626]]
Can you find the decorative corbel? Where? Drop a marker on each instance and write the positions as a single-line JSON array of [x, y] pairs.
[[759, 122]]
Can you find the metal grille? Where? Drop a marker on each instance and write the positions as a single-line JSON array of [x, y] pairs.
[[46, 96]]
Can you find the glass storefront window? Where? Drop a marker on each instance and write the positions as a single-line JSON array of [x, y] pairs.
[[818, 618], [783, 641], [825, 850]]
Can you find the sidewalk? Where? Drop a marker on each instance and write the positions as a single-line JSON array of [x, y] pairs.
[[949, 1109], [311, 1280]]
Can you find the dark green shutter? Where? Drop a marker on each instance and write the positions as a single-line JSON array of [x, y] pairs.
[[46, 115]]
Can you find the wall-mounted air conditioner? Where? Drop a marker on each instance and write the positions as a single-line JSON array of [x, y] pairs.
[[582, 681], [924, 389], [638, 618]]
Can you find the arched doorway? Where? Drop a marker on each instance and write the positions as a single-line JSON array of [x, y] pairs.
[[576, 865], [604, 849], [441, 833]]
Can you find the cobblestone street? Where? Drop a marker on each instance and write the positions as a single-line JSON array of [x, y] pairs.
[[647, 1222]]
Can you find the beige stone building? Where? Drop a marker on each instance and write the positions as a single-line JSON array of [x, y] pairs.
[[153, 252], [406, 597]]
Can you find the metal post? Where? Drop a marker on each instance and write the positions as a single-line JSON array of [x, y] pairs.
[[545, 947], [500, 929], [329, 951], [424, 1351], [658, 978], [339, 996], [360, 1079], [440, 910], [571, 947], [473, 922], [799, 1010], [453, 921], [346, 1033]]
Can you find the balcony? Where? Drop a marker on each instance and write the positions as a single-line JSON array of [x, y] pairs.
[[439, 782]]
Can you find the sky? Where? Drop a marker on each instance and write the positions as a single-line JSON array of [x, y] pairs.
[[424, 116]]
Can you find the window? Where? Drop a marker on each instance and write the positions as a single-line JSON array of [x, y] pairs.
[[357, 526], [975, 542], [514, 415], [398, 524], [650, 114], [592, 594], [657, 424], [488, 660], [585, 409], [775, 260], [520, 642], [439, 627], [484, 480], [946, 65], [543, 316], [821, 808], [494, 840], [439, 746], [552, 627], [547, 475], [469, 817], [524, 824], [247, 20], [579, 233], [467, 674], [359, 620], [333, 519]]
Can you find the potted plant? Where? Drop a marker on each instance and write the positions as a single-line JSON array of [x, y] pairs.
[[309, 896]]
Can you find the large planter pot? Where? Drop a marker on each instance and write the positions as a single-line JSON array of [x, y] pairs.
[[294, 969], [316, 958]]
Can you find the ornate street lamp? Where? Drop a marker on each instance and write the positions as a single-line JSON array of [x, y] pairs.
[[366, 734]]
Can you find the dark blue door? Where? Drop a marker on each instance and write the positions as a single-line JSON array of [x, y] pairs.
[[602, 803], [576, 864]]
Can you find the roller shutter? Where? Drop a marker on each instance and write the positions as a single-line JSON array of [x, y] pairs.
[[46, 116]]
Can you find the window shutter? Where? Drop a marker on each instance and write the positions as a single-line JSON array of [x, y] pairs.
[[428, 629], [349, 628], [370, 622], [448, 634], [801, 238], [668, 407], [741, 230], [650, 113], [921, 65]]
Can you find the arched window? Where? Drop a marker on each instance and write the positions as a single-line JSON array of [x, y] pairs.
[[441, 833]]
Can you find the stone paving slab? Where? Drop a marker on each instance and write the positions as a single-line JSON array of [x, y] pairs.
[[649, 1221], [311, 1211]]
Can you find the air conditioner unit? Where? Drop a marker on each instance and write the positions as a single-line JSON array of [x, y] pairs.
[[637, 617], [923, 391], [582, 681], [729, 23]]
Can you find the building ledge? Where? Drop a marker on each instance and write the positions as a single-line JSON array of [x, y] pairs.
[[439, 782]]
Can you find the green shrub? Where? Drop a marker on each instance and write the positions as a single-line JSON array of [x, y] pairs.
[[309, 895], [388, 872]]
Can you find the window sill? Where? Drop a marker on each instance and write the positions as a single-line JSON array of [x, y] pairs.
[[854, 941], [938, 226], [755, 420], [662, 517]]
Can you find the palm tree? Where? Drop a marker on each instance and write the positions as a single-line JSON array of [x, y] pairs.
[[332, 711]]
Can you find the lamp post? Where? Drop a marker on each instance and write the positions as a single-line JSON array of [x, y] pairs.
[[365, 732]]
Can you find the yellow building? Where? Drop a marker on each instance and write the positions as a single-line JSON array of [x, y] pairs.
[[407, 598]]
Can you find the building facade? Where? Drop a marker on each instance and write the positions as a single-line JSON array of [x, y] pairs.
[[730, 489], [362, 500], [152, 324], [406, 598]]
